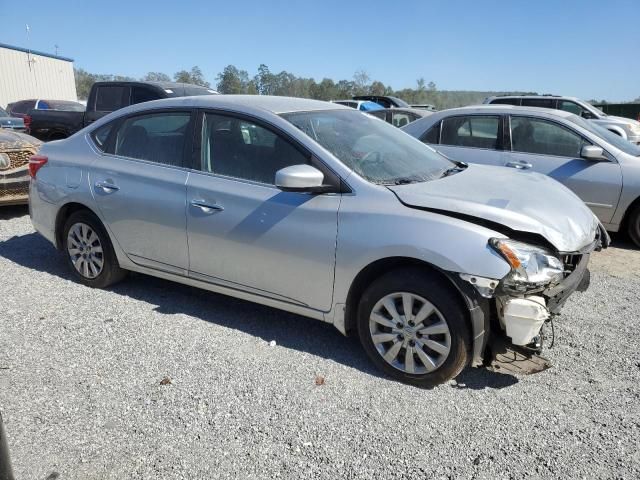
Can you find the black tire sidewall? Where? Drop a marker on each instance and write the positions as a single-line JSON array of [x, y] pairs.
[[444, 298], [111, 271], [633, 227]]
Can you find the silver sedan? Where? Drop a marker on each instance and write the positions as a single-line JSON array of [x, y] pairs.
[[321, 210], [601, 167]]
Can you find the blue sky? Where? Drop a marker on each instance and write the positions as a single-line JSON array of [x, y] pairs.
[[584, 48]]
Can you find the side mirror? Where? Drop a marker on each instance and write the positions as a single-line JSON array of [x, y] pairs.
[[299, 178], [591, 152], [586, 114]]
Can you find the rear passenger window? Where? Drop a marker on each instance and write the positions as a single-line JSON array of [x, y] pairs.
[[533, 135], [111, 98], [158, 137], [401, 119], [477, 131], [242, 149], [538, 102], [506, 101], [143, 94], [101, 135]]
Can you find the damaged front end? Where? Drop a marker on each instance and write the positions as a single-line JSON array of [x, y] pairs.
[[522, 305]]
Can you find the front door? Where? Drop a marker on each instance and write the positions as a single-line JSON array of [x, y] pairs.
[[472, 139], [140, 188], [552, 149], [245, 233]]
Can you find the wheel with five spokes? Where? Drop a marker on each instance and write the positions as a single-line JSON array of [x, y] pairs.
[[89, 251], [414, 327]]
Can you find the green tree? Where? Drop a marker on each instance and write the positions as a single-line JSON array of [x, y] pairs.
[[377, 88], [194, 77], [232, 80], [361, 82], [156, 77]]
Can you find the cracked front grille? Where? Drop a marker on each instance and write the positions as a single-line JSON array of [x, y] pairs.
[[20, 158]]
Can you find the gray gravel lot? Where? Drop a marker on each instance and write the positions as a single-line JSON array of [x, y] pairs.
[[81, 392]]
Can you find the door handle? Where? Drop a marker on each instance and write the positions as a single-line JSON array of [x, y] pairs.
[[107, 187], [520, 165], [207, 207]]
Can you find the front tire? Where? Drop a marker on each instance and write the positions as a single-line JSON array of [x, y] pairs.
[[633, 225], [89, 252], [414, 328]]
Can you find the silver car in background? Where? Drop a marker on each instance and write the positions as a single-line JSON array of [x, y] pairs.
[[321, 210], [626, 128], [598, 165]]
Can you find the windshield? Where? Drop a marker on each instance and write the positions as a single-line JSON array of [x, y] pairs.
[[607, 135], [600, 112], [374, 149], [3, 113]]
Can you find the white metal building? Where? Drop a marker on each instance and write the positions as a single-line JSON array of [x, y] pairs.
[[26, 74]]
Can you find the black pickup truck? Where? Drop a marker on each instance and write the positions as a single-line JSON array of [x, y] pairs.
[[104, 98]]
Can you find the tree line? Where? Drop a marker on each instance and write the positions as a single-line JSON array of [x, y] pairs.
[[233, 80]]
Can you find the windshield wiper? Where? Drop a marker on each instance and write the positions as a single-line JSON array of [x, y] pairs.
[[460, 166]]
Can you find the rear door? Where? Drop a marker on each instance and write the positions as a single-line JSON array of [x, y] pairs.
[[245, 233], [469, 138], [139, 185], [553, 149]]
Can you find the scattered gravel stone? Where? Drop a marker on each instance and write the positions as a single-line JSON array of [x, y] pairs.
[[77, 401]]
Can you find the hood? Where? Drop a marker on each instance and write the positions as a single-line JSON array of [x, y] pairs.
[[10, 140], [521, 201], [613, 120]]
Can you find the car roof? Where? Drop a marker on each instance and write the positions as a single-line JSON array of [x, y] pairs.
[[418, 111], [499, 108], [247, 103], [556, 97]]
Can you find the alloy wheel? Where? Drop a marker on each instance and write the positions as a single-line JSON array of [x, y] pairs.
[[409, 333], [85, 250]]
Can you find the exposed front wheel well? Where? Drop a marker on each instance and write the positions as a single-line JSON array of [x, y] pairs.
[[631, 221], [374, 271], [63, 214]]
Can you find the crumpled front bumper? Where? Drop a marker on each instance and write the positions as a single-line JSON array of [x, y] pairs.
[[492, 307]]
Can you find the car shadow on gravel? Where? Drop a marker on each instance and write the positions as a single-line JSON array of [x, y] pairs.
[[286, 329], [13, 211]]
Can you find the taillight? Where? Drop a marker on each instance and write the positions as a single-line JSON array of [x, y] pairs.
[[27, 121], [36, 162]]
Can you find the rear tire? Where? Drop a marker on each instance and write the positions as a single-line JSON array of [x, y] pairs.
[[429, 346], [633, 225], [89, 252]]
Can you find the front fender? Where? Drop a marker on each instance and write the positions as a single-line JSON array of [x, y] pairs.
[[386, 229]]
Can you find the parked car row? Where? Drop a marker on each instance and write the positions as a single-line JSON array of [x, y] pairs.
[[624, 127], [321, 210], [596, 164], [54, 120]]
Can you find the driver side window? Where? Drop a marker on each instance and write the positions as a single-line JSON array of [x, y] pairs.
[[242, 149], [534, 135]]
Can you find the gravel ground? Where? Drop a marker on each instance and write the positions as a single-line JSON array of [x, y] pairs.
[[83, 396]]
